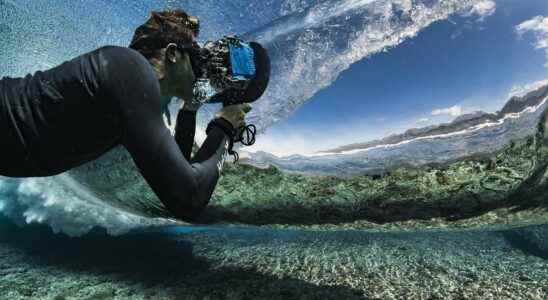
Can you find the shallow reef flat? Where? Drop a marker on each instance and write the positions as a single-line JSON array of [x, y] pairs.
[[250, 263], [506, 188]]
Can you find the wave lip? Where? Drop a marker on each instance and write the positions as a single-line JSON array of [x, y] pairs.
[[311, 47]]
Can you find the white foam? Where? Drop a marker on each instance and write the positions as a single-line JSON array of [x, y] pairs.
[[65, 205]]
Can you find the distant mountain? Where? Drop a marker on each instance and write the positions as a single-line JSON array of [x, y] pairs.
[[517, 104], [514, 105], [468, 135], [471, 116]]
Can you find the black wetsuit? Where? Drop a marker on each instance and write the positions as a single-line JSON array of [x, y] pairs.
[[61, 118]]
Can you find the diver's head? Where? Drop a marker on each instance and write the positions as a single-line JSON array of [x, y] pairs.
[[178, 77], [238, 71], [162, 38]]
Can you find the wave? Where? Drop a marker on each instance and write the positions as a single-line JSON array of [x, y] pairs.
[[65, 206], [312, 46], [311, 43]]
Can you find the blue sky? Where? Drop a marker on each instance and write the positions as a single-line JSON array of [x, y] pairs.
[[452, 67]]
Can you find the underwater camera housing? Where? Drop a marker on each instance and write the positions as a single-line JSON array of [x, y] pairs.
[[238, 71]]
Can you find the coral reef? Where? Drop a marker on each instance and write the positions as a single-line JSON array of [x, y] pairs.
[[507, 187]]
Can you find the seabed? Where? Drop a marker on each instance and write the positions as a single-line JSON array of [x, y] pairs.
[[248, 263]]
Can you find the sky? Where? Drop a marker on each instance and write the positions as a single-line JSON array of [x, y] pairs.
[[453, 67]]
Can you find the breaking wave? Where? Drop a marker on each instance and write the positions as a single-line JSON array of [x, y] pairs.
[[311, 43], [65, 206]]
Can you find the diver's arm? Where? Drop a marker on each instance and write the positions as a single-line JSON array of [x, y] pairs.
[[185, 130], [185, 189]]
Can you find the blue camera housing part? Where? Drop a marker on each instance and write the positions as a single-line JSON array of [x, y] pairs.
[[242, 61]]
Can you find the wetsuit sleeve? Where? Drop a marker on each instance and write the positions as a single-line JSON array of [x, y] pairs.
[[184, 188], [185, 130]]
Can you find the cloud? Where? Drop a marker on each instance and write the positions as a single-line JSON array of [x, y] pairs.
[[456, 34], [453, 111], [538, 26], [522, 90], [482, 9], [291, 142], [284, 140], [423, 121]]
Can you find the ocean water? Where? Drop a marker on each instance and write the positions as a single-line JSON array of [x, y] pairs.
[[81, 236]]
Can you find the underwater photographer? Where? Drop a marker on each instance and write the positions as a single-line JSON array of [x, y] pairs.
[[64, 117]]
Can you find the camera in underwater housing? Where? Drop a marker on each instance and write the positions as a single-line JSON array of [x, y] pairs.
[[238, 72], [231, 71]]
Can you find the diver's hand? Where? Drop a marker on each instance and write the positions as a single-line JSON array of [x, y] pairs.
[[234, 114]]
